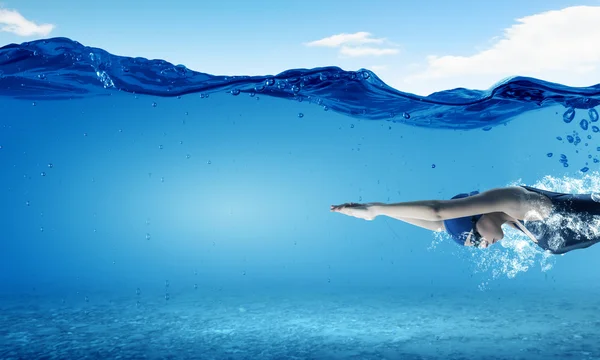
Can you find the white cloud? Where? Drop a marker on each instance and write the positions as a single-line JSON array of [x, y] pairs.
[[559, 46], [352, 45], [13, 22], [359, 38]]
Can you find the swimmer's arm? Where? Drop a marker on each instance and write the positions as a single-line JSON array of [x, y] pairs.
[[425, 224], [367, 212], [496, 200]]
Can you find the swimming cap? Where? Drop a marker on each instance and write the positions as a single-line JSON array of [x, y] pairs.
[[460, 228]]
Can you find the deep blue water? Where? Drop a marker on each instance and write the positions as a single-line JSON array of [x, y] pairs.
[[149, 211]]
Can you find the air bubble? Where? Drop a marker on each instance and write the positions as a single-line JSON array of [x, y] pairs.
[[235, 92], [584, 124], [433, 166], [569, 115], [406, 115], [593, 114], [300, 115], [366, 75], [154, 104], [50, 165], [596, 197], [549, 155], [209, 162], [595, 129], [188, 156], [147, 236], [43, 173], [160, 147], [269, 82], [295, 89], [585, 169], [167, 296]]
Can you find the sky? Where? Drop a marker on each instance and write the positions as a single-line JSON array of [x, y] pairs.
[[418, 47]]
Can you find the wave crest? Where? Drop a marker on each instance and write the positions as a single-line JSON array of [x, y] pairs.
[[60, 68]]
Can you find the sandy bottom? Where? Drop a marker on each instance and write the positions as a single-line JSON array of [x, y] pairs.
[[367, 325]]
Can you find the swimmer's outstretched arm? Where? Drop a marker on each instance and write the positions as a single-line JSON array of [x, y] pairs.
[[357, 211], [496, 200]]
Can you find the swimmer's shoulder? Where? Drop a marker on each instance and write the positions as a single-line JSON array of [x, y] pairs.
[[518, 202]]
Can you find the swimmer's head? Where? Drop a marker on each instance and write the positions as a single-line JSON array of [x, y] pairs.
[[460, 229], [484, 232]]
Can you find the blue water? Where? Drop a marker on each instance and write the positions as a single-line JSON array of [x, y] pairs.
[[149, 211]]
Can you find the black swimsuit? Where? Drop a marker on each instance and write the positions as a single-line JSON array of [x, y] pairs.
[[573, 224]]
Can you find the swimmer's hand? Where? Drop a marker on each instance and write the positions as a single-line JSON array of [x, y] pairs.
[[361, 211]]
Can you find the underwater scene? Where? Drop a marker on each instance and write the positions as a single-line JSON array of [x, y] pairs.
[[153, 212]]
